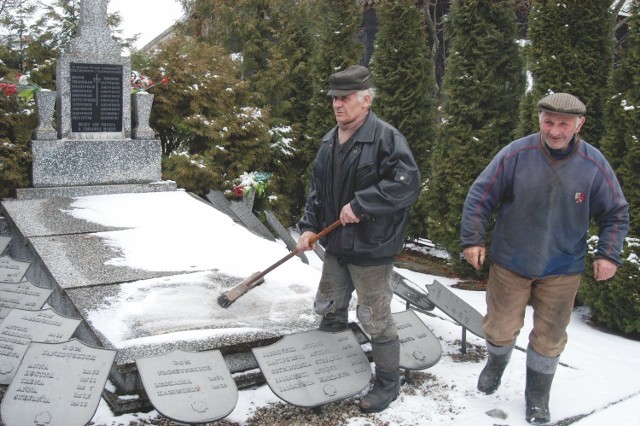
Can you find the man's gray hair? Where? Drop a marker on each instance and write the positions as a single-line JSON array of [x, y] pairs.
[[362, 93]]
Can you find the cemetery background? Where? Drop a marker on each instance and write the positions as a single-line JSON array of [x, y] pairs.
[[234, 270]]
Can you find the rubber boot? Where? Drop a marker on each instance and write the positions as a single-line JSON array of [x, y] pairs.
[[497, 360], [335, 321], [540, 372], [386, 385]]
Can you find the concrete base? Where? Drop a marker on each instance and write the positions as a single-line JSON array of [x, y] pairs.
[[67, 162]]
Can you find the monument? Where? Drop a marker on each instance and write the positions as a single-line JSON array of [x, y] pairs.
[[102, 142]]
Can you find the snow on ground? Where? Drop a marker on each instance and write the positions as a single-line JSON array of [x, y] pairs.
[[597, 383]]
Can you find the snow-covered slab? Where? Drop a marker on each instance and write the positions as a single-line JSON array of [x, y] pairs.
[[150, 316]]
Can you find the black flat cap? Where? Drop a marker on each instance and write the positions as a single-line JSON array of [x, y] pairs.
[[562, 103], [354, 78]]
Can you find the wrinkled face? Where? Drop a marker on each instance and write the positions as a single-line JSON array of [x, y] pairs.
[[349, 109], [558, 129]]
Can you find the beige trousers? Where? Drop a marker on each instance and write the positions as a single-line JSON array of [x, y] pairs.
[[552, 299]]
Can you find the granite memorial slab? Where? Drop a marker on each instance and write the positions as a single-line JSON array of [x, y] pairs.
[[4, 243], [21, 327], [189, 387], [459, 310], [314, 368], [23, 295], [57, 384], [12, 271], [419, 347]]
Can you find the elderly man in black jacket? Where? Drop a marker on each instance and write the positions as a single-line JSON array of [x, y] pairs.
[[365, 175]]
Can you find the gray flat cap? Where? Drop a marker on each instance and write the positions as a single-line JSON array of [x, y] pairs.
[[354, 78], [562, 103]]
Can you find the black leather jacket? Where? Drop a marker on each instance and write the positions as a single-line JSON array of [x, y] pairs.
[[382, 181]]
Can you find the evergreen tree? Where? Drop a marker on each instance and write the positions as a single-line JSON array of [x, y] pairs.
[[621, 144], [404, 76], [205, 112], [482, 89], [336, 49], [571, 50]]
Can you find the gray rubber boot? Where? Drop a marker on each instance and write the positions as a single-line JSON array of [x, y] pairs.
[[335, 321], [386, 385], [540, 372], [497, 360]]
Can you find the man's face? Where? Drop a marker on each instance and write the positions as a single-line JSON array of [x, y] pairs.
[[558, 129], [349, 109]]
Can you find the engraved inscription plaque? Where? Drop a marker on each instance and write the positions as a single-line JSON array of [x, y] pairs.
[[12, 271], [96, 97], [189, 387], [4, 242], [57, 384], [22, 327], [315, 367], [419, 347], [459, 310], [24, 295]]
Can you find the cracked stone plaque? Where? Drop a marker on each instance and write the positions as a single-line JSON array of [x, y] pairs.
[[57, 384], [22, 327], [419, 347], [23, 295], [459, 310], [189, 387], [4, 242], [314, 368], [12, 271]]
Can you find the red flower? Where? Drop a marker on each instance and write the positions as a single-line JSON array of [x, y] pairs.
[[238, 191], [9, 89]]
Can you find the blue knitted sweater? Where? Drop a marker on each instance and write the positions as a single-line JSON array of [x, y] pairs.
[[544, 206]]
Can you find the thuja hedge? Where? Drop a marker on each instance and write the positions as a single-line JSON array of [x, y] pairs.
[[615, 303]]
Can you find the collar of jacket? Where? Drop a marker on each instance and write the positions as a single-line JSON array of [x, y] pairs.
[[363, 134]]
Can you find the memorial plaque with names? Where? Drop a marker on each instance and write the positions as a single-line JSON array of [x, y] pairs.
[[24, 295], [189, 387], [459, 310], [315, 367], [4, 242], [57, 384], [22, 327], [12, 271], [96, 97], [419, 347]]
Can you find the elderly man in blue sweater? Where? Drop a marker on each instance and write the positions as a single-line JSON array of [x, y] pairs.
[[545, 188]]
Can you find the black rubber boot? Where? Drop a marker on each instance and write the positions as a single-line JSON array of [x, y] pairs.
[[540, 372], [335, 321], [386, 385], [537, 396], [497, 360]]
